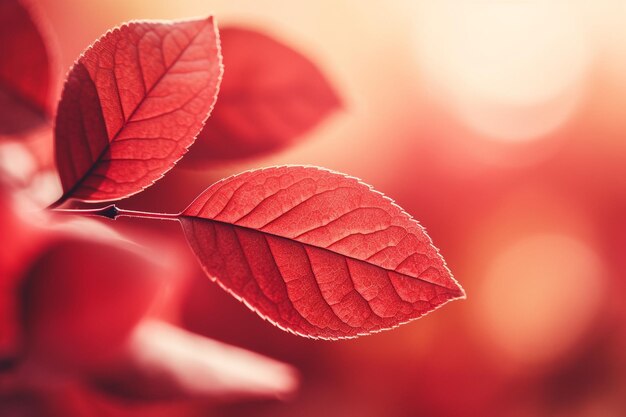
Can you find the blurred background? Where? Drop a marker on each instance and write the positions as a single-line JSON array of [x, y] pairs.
[[501, 127]]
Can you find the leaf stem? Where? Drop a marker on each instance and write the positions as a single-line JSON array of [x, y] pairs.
[[56, 204], [113, 212]]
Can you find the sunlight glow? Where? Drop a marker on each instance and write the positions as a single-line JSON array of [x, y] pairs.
[[511, 70], [539, 296]]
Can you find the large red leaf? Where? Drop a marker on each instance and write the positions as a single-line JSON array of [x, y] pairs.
[[24, 70], [317, 253], [271, 95], [132, 105]]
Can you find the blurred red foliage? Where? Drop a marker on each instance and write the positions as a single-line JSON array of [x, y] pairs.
[[271, 95]]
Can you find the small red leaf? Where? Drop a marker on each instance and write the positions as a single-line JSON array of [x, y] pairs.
[[24, 70], [317, 253], [270, 96], [132, 105]]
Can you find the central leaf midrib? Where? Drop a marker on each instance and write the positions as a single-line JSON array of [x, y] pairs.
[[317, 247]]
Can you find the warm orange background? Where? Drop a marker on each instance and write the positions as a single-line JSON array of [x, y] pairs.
[[501, 126]]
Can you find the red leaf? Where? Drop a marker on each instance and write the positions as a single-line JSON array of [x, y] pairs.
[[271, 95], [132, 105], [316, 252], [24, 70], [82, 298]]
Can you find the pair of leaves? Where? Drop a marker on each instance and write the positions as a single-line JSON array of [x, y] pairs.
[[316, 252]]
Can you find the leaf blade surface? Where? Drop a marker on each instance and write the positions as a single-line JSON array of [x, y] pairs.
[[133, 104], [317, 253]]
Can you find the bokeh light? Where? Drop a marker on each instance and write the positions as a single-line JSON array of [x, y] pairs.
[[538, 297]]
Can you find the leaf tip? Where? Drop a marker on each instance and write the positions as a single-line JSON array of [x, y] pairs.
[[460, 293]]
